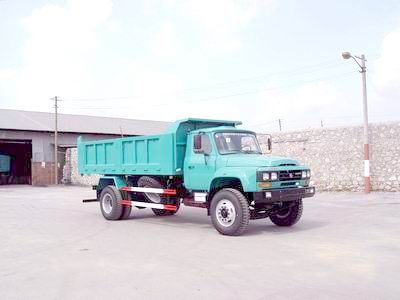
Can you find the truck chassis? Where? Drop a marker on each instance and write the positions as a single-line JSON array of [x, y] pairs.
[[283, 208]]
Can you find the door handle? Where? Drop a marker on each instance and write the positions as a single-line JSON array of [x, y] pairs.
[[191, 167]]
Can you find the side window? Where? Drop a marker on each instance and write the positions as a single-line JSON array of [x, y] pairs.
[[197, 143], [206, 143], [202, 144]]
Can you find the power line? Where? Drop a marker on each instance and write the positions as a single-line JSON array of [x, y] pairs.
[[318, 121], [297, 71], [343, 75], [301, 70]]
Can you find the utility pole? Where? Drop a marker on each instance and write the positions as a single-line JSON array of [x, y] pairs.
[[363, 71], [367, 178], [55, 139], [280, 124]]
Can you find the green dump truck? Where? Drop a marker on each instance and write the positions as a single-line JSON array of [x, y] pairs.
[[202, 163]]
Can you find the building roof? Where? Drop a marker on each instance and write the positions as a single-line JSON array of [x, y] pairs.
[[42, 121]]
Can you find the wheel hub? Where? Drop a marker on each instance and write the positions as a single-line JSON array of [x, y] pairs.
[[225, 213], [107, 203]]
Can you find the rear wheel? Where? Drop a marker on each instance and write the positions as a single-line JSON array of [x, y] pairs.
[[230, 212], [289, 215], [126, 209], [163, 212], [110, 204], [149, 182]]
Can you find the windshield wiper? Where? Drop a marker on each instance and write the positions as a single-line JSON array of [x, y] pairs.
[[230, 152], [251, 152]]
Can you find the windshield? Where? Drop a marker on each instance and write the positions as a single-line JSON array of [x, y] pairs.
[[237, 142]]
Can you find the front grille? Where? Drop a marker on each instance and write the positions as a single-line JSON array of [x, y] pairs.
[[289, 175]]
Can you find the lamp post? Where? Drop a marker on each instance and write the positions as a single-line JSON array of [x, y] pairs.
[[363, 70]]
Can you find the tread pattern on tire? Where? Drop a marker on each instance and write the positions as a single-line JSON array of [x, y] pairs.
[[294, 216], [244, 222], [117, 210], [126, 210], [151, 182]]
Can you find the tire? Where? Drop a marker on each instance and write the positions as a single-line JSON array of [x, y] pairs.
[[110, 206], [126, 210], [163, 212], [230, 212], [290, 215], [146, 181]]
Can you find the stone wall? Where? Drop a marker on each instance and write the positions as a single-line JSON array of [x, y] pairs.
[[71, 174], [335, 155]]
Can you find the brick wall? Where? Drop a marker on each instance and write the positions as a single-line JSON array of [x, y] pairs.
[[43, 173]]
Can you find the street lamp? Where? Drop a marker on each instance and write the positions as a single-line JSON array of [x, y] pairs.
[[363, 70]]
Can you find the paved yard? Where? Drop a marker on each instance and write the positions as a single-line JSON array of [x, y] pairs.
[[346, 246]]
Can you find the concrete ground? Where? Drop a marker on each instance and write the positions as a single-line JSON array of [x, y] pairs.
[[346, 246]]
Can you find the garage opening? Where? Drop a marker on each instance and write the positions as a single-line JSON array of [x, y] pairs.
[[15, 161]]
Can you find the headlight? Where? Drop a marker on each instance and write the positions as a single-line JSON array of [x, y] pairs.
[[267, 176], [303, 174], [308, 173]]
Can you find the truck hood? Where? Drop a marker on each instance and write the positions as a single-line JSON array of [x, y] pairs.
[[254, 160]]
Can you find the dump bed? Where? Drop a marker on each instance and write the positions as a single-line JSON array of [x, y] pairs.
[[131, 155], [162, 154]]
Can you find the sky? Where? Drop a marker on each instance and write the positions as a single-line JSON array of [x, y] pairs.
[[254, 61]]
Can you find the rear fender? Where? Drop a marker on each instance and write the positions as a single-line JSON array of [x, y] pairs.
[[117, 181]]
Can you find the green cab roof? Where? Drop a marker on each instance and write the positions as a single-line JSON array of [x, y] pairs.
[[195, 123], [221, 128]]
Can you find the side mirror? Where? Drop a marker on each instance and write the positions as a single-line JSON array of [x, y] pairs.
[[269, 143]]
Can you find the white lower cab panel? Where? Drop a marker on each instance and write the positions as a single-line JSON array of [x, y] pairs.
[[200, 197]]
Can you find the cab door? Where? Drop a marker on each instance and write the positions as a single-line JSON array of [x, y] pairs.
[[200, 162]]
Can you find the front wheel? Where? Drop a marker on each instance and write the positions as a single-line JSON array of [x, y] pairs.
[[289, 214], [230, 212]]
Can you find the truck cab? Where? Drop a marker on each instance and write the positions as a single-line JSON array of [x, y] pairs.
[[226, 153]]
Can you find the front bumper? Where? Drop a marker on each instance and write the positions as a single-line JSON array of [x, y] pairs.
[[283, 195]]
